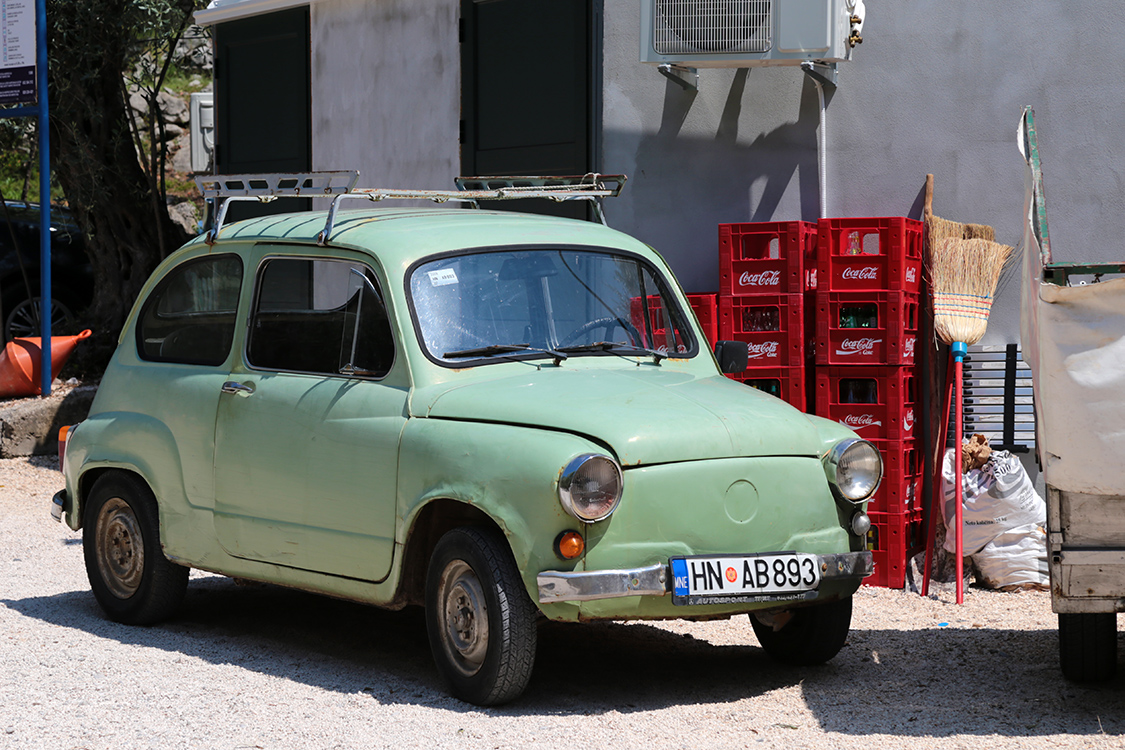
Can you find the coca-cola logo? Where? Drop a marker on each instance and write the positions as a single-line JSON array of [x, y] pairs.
[[764, 278], [908, 347], [859, 421], [908, 420], [866, 272], [865, 346], [911, 274], [764, 350]]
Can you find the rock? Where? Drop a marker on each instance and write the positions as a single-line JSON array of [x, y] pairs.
[[30, 427], [173, 108], [181, 154], [183, 214]]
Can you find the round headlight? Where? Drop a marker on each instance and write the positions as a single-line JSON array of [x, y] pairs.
[[590, 487], [854, 469]]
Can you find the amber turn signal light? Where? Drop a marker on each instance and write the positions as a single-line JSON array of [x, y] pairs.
[[570, 545]]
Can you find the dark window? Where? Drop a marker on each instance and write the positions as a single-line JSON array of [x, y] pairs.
[[189, 317], [305, 319]]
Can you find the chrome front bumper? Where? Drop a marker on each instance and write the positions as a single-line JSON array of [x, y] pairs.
[[654, 580]]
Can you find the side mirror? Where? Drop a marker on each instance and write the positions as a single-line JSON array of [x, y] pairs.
[[733, 356]]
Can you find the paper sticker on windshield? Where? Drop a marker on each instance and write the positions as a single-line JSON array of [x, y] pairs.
[[442, 277]]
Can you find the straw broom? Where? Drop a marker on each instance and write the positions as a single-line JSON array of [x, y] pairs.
[[963, 276]]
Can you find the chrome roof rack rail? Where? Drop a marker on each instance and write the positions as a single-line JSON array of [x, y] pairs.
[[341, 185], [269, 187]]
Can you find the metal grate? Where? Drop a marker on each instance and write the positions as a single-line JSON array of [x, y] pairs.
[[998, 399], [712, 26]]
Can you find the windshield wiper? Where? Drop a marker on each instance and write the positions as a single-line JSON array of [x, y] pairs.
[[497, 350], [614, 347]]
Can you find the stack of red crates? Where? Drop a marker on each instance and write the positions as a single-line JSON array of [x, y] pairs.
[[767, 272], [870, 274]]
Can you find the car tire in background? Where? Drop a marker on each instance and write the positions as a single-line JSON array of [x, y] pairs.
[[812, 635], [481, 623], [131, 578], [1088, 645], [21, 313]]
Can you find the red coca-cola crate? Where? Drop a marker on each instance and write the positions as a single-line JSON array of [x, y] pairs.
[[877, 402], [871, 254], [787, 383], [772, 325], [866, 328], [706, 310], [660, 334], [776, 257], [901, 488], [894, 539]]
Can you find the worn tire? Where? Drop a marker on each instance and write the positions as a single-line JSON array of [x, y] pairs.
[[813, 636], [481, 623], [130, 576], [1088, 645]]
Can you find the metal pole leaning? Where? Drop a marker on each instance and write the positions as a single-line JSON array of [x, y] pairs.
[[937, 496]]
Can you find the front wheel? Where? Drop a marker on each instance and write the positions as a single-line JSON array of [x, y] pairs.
[[805, 636], [130, 576], [480, 620], [1088, 645]]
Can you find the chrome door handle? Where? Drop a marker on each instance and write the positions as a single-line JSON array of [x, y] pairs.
[[240, 389]]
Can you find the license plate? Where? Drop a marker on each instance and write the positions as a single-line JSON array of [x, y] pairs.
[[722, 579]]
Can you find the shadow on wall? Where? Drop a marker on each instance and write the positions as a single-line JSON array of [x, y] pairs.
[[683, 186]]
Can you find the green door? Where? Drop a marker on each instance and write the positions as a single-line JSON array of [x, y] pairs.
[[306, 457]]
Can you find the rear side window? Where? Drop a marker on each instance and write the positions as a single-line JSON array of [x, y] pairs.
[[320, 316], [189, 317]]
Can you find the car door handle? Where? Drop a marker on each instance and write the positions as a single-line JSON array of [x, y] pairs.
[[239, 389]]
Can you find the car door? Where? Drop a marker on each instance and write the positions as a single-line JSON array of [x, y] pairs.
[[308, 424]]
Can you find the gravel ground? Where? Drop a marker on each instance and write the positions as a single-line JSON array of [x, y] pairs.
[[263, 667]]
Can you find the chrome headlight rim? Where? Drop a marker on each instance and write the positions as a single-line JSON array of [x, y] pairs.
[[566, 487], [832, 460]]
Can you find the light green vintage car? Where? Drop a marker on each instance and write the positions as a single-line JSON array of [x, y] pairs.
[[502, 417]]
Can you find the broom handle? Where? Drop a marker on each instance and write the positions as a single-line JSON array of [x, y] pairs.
[[959, 349], [937, 499]]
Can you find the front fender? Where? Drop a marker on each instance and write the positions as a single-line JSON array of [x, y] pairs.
[[510, 473]]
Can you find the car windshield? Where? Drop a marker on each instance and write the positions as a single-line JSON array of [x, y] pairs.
[[517, 304]]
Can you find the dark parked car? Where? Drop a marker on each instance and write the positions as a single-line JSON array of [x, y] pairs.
[[71, 274]]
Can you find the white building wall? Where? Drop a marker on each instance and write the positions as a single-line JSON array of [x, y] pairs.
[[386, 91]]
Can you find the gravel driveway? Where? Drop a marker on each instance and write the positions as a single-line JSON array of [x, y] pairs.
[[263, 667]]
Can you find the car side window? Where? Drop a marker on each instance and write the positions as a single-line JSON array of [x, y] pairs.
[[189, 317], [319, 316]]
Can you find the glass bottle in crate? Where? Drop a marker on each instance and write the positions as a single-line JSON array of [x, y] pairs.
[[859, 316], [768, 385], [755, 319]]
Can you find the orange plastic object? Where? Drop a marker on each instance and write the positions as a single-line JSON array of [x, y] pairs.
[[20, 363]]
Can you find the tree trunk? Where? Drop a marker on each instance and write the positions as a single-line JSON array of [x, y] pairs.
[[124, 218]]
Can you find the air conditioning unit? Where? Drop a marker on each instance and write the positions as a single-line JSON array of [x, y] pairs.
[[748, 33]]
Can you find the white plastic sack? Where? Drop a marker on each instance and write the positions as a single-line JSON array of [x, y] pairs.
[[1018, 557], [997, 498]]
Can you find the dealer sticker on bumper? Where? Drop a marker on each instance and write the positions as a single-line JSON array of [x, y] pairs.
[[720, 579]]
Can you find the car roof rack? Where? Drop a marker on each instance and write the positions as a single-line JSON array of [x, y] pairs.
[[341, 185]]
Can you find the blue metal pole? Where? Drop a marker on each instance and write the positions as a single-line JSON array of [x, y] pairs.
[[44, 196]]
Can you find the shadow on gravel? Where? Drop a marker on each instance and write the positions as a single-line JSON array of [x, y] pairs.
[[959, 681]]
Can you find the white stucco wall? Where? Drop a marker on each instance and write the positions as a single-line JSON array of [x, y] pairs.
[[935, 87], [386, 91]]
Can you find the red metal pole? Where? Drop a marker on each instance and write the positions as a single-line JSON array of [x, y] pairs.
[[958, 349], [937, 498]]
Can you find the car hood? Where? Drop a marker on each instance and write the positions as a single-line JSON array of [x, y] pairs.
[[645, 415]]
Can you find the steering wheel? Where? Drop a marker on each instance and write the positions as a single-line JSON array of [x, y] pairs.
[[608, 324]]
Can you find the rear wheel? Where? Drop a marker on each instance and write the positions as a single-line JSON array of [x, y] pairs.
[[480, 620], [1088, 645], [22, 314], [805, 636], [130, 576]]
